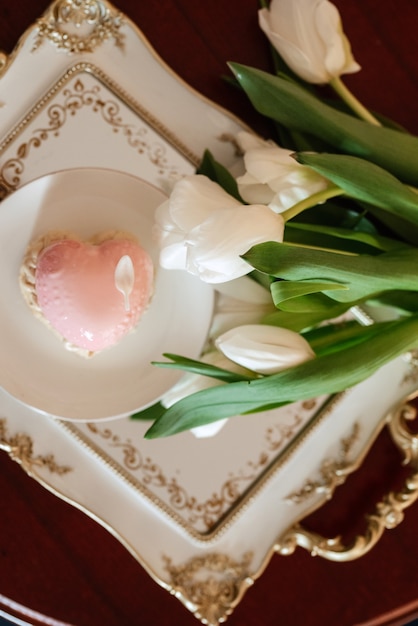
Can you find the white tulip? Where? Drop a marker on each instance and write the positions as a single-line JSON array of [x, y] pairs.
[[273, 177], [204, 230], [308, 35], [264, 349], [238, 302]]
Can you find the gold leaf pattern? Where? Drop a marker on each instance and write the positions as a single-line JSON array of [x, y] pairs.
[[206, 514], [20, 449], [97, 21], [210, 585], [411, 376], [333, 472], [77, 97]]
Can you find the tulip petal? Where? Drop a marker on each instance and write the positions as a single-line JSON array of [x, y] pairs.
[[204, 230], [274, 177], [216, 246], [208, 430], [309, 37], [338, 58], [194, 198], [264, 349]]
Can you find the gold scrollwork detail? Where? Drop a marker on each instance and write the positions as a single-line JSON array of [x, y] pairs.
[[210, 586], [20, 449], [75, 98], [388, 512], [204, 514], [94, 20], [5, 188], [333, 472], [411, 376]]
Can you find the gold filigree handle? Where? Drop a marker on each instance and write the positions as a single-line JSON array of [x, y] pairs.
[[388, 512]]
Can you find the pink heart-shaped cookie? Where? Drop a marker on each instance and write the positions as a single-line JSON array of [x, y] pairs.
[[83, 295]]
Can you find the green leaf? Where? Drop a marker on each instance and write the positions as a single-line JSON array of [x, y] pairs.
[[365, 181], [284, 290], [326, 374], [335, 238], [354, 216], [294, 107], [219, 174], [337, 337], [305, 320], [342, 212], [363, 275], [401, 301], [198, 367], [312, 303], [151, 413]]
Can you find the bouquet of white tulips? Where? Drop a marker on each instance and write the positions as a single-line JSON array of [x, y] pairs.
[[321, 221]]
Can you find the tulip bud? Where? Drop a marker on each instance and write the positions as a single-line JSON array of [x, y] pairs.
[[273, 176], [238, 302], [264, 349], [309, 37]]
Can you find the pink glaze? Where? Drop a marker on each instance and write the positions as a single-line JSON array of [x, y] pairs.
[[77, 294]]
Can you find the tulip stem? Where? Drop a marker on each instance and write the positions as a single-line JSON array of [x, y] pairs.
[[349, 98], [311, 201]]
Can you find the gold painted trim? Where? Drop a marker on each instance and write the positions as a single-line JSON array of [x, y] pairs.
[[184, 508], [244, 498], [101, 19], [51, 25], [20, 449], [203, 596], [411, 376], [12, 169], [6, 61], [333, 472], [210, 586], [388, 512]]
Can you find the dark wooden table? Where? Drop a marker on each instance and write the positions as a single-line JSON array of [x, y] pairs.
[[63, 567]]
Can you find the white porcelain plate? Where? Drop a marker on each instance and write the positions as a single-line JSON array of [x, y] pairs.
[[35, 368]]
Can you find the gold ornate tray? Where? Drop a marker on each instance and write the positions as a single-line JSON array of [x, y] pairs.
[[100, 101]]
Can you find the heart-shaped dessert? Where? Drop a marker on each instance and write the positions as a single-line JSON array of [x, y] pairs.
[[91, 293]]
